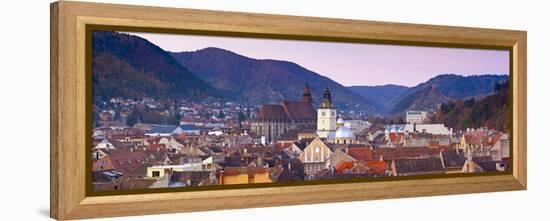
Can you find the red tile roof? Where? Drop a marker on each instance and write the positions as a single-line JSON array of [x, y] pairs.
[[155, 146], [124, 160], [377, 167], [361, 154], [288, 110], [279, 146], [343, 165], [299, 110], [396, 137], [404, 153], [414, 166], [271, 111]]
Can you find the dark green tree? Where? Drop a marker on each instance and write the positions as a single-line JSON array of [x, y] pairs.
[[117, 115], [175, 120], [241, 117], [96, 119], [131, 120], [221, 114]]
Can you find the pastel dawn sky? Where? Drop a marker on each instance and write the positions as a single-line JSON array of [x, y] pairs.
[[351, 63]]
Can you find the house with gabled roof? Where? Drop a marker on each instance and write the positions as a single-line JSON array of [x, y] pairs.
[[160, 130], [315, 157], [285, 174], [362, 154], [121, 160], [452, 160], [109, 144], [171, 143], [419, 166], [339, 156], [378, 168], [124, 184], [189, 129], [481, 164], [500, 147]]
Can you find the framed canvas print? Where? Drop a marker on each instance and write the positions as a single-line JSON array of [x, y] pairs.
[[160, 110]]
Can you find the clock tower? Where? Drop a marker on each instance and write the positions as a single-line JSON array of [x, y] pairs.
[[326, 117]]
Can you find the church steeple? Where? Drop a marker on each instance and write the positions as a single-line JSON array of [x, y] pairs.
[[306, 96], [327, 100], [326, 117]]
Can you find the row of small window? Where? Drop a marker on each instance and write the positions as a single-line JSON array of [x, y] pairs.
[[324, 113], [314, 167], [309, 159]]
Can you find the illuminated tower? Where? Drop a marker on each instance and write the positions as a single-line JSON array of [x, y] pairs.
[[326, 117]]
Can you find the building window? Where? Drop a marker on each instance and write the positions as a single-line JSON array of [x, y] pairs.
[[156, 173], [322, 113]]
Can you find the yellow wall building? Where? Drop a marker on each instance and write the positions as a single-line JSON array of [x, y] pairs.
[[246, 175]]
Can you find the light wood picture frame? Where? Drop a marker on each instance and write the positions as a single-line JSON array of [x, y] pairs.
[[70, 102]]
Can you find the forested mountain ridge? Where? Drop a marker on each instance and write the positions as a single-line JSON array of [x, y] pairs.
[[260, 81], [492, 111], [442, 88], [122, 63]]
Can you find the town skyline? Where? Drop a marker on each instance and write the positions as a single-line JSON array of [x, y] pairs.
[[215, 118], [408, 65]]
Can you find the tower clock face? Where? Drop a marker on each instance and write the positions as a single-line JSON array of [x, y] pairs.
[[317, 149]]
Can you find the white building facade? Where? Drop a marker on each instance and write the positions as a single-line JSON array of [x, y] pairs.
[[326, 117]]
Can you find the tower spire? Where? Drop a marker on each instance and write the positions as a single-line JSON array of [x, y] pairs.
[[306, 96], [326, 117], [327, 99]]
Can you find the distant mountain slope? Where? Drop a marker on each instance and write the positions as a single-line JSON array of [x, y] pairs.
[[130, 66], [380, 95], [428, 95], [266, 81], [115, 78], [492, 111]]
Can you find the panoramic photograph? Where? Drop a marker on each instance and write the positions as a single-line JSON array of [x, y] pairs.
[[174, 110]]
